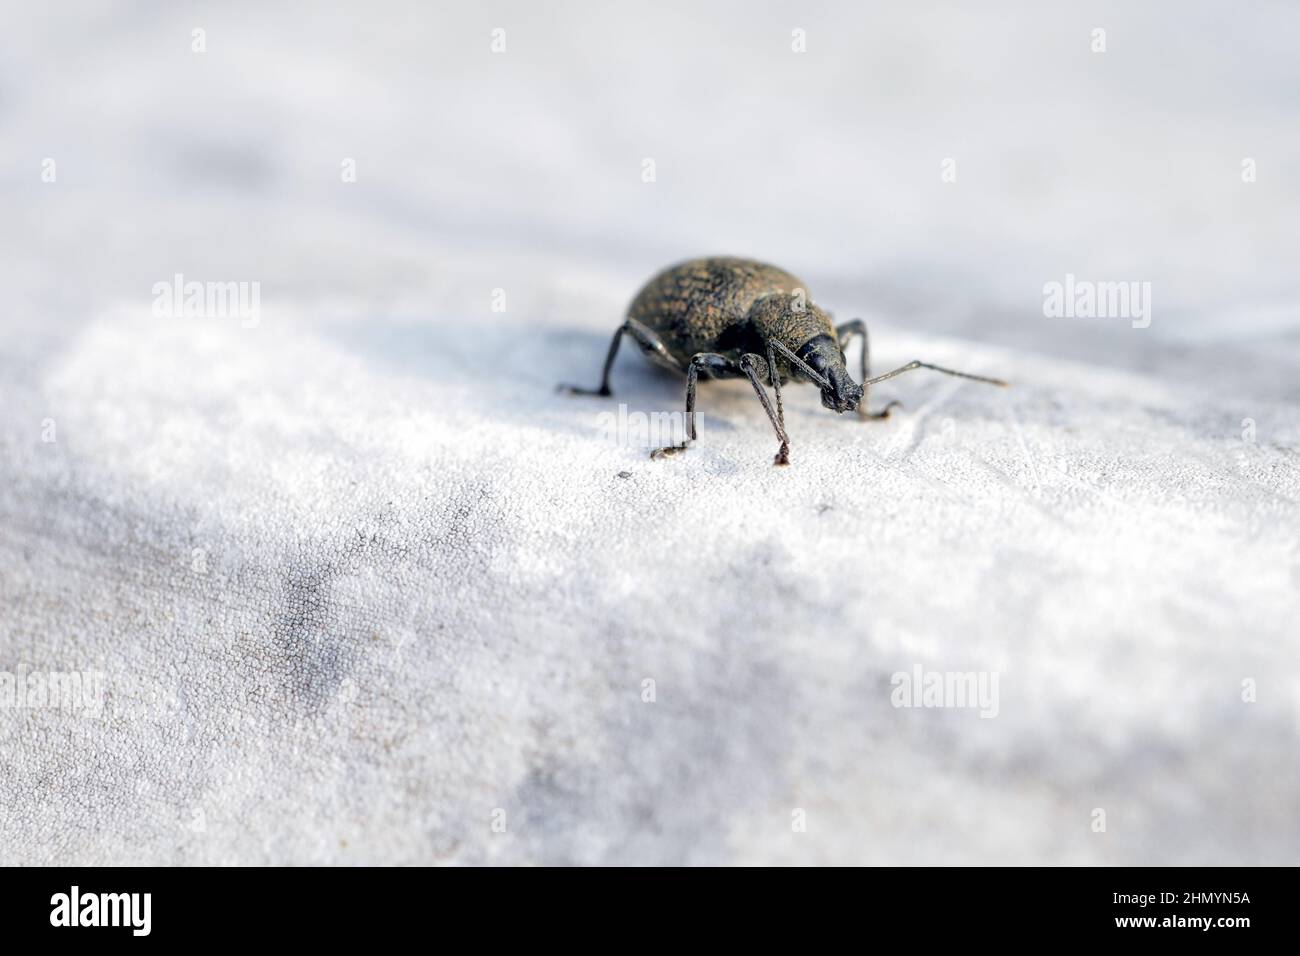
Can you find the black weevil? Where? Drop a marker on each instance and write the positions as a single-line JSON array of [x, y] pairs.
[[726, 317]]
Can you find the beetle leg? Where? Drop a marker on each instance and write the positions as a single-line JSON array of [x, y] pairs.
[[775, 379], [645, 337], [706, 360], [748, 366], [845, 333], [937, 368]]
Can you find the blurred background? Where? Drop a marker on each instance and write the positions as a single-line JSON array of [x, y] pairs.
[[474, 167]]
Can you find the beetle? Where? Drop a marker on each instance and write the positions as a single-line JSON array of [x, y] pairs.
[[724, 317]]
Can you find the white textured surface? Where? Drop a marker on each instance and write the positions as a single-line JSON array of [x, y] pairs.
[[427, 591]]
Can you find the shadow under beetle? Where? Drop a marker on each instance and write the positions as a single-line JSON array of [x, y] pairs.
[[724, 318]]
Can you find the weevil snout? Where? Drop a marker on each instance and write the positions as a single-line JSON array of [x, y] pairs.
[[823, 355], [843, 394]]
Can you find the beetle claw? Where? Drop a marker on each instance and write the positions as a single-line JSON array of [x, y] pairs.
[[668, 451], [883, 413], [563, 389]]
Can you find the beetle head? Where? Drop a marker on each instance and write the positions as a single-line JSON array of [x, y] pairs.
[[823, 355]]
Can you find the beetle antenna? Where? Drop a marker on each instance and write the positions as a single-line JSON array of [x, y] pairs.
[[803, 366], [937, 368]]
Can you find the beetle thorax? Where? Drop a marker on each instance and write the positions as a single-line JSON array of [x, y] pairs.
[[790, 318]]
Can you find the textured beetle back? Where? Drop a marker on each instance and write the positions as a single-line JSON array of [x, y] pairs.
[[702, 305]]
